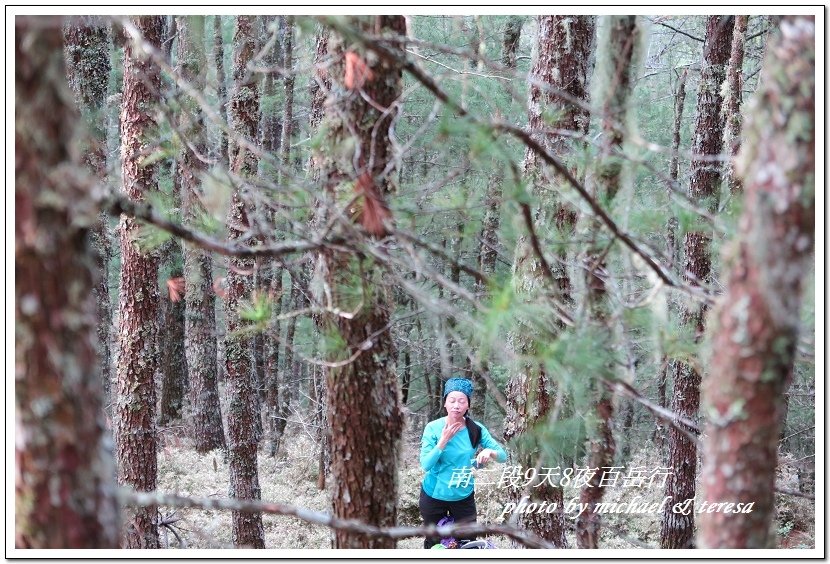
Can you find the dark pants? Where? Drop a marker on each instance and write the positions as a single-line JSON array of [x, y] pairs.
[[433, 510]]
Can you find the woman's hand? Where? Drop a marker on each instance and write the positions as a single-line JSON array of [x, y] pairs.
[[448, 432], [485, 456]]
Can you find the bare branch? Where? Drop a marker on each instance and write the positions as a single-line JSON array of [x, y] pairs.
[[685, 426], [478, 275], [116, 205], [680, 31], [145, 499]]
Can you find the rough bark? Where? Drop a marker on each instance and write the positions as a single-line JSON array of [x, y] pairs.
[[614, 84], [171, 329], [288, 88], [136, 437], [268, 270], [64, 479], [756, 324], [221, 87], [205, 426], [270, 126], [562, 53], [667, 364], [510, 41], [86, 48], [242, 443], [319, 87], [732, 102], [677, 530], [364, 408], [173, 361]]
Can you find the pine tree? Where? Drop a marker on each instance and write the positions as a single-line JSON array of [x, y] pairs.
[[732, 100], [221, 87], [756, 324], [64, 479], [489, 238], [136, 438], [562, 53], [614, 83], [242, 442], [364, 408], [199, 298], [319, 87], [86, 46], [677, 530]]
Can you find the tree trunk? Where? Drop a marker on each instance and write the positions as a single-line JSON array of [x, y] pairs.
[[86, 47], [319, 87], [363, 398], [732, 102], [562, 53], [679, 101], [136, 439], [244, 475], [221, 87], [510, 41], [270, 125], [288, 382], [288, 108], [173, 360], [667, 364], [677, 530], [64, 480], [407, 377], [756, 324], [171, 329], [614, 83], [199, 298], [269, 271], [272, 366]]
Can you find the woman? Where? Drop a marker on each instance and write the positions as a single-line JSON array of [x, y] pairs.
[[448, 454]]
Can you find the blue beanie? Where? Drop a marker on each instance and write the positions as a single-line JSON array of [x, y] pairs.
[[459, 385]]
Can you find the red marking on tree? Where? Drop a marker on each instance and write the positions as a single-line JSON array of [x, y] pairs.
[[375, 211], [175, 288], [220, 286], [357, 71]]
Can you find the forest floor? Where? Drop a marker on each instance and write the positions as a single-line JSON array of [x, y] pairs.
[[291, 478]]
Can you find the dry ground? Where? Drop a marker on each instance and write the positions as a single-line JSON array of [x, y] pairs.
[[292, 478]]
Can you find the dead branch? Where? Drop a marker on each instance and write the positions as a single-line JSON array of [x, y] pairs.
[[133, 498], [116, 205]]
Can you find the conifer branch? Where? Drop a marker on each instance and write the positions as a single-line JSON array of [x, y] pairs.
[[523, 136]]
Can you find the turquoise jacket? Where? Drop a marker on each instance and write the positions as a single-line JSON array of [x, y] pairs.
[[449, 471]]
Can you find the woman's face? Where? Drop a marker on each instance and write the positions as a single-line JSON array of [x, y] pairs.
[[456, 404]]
